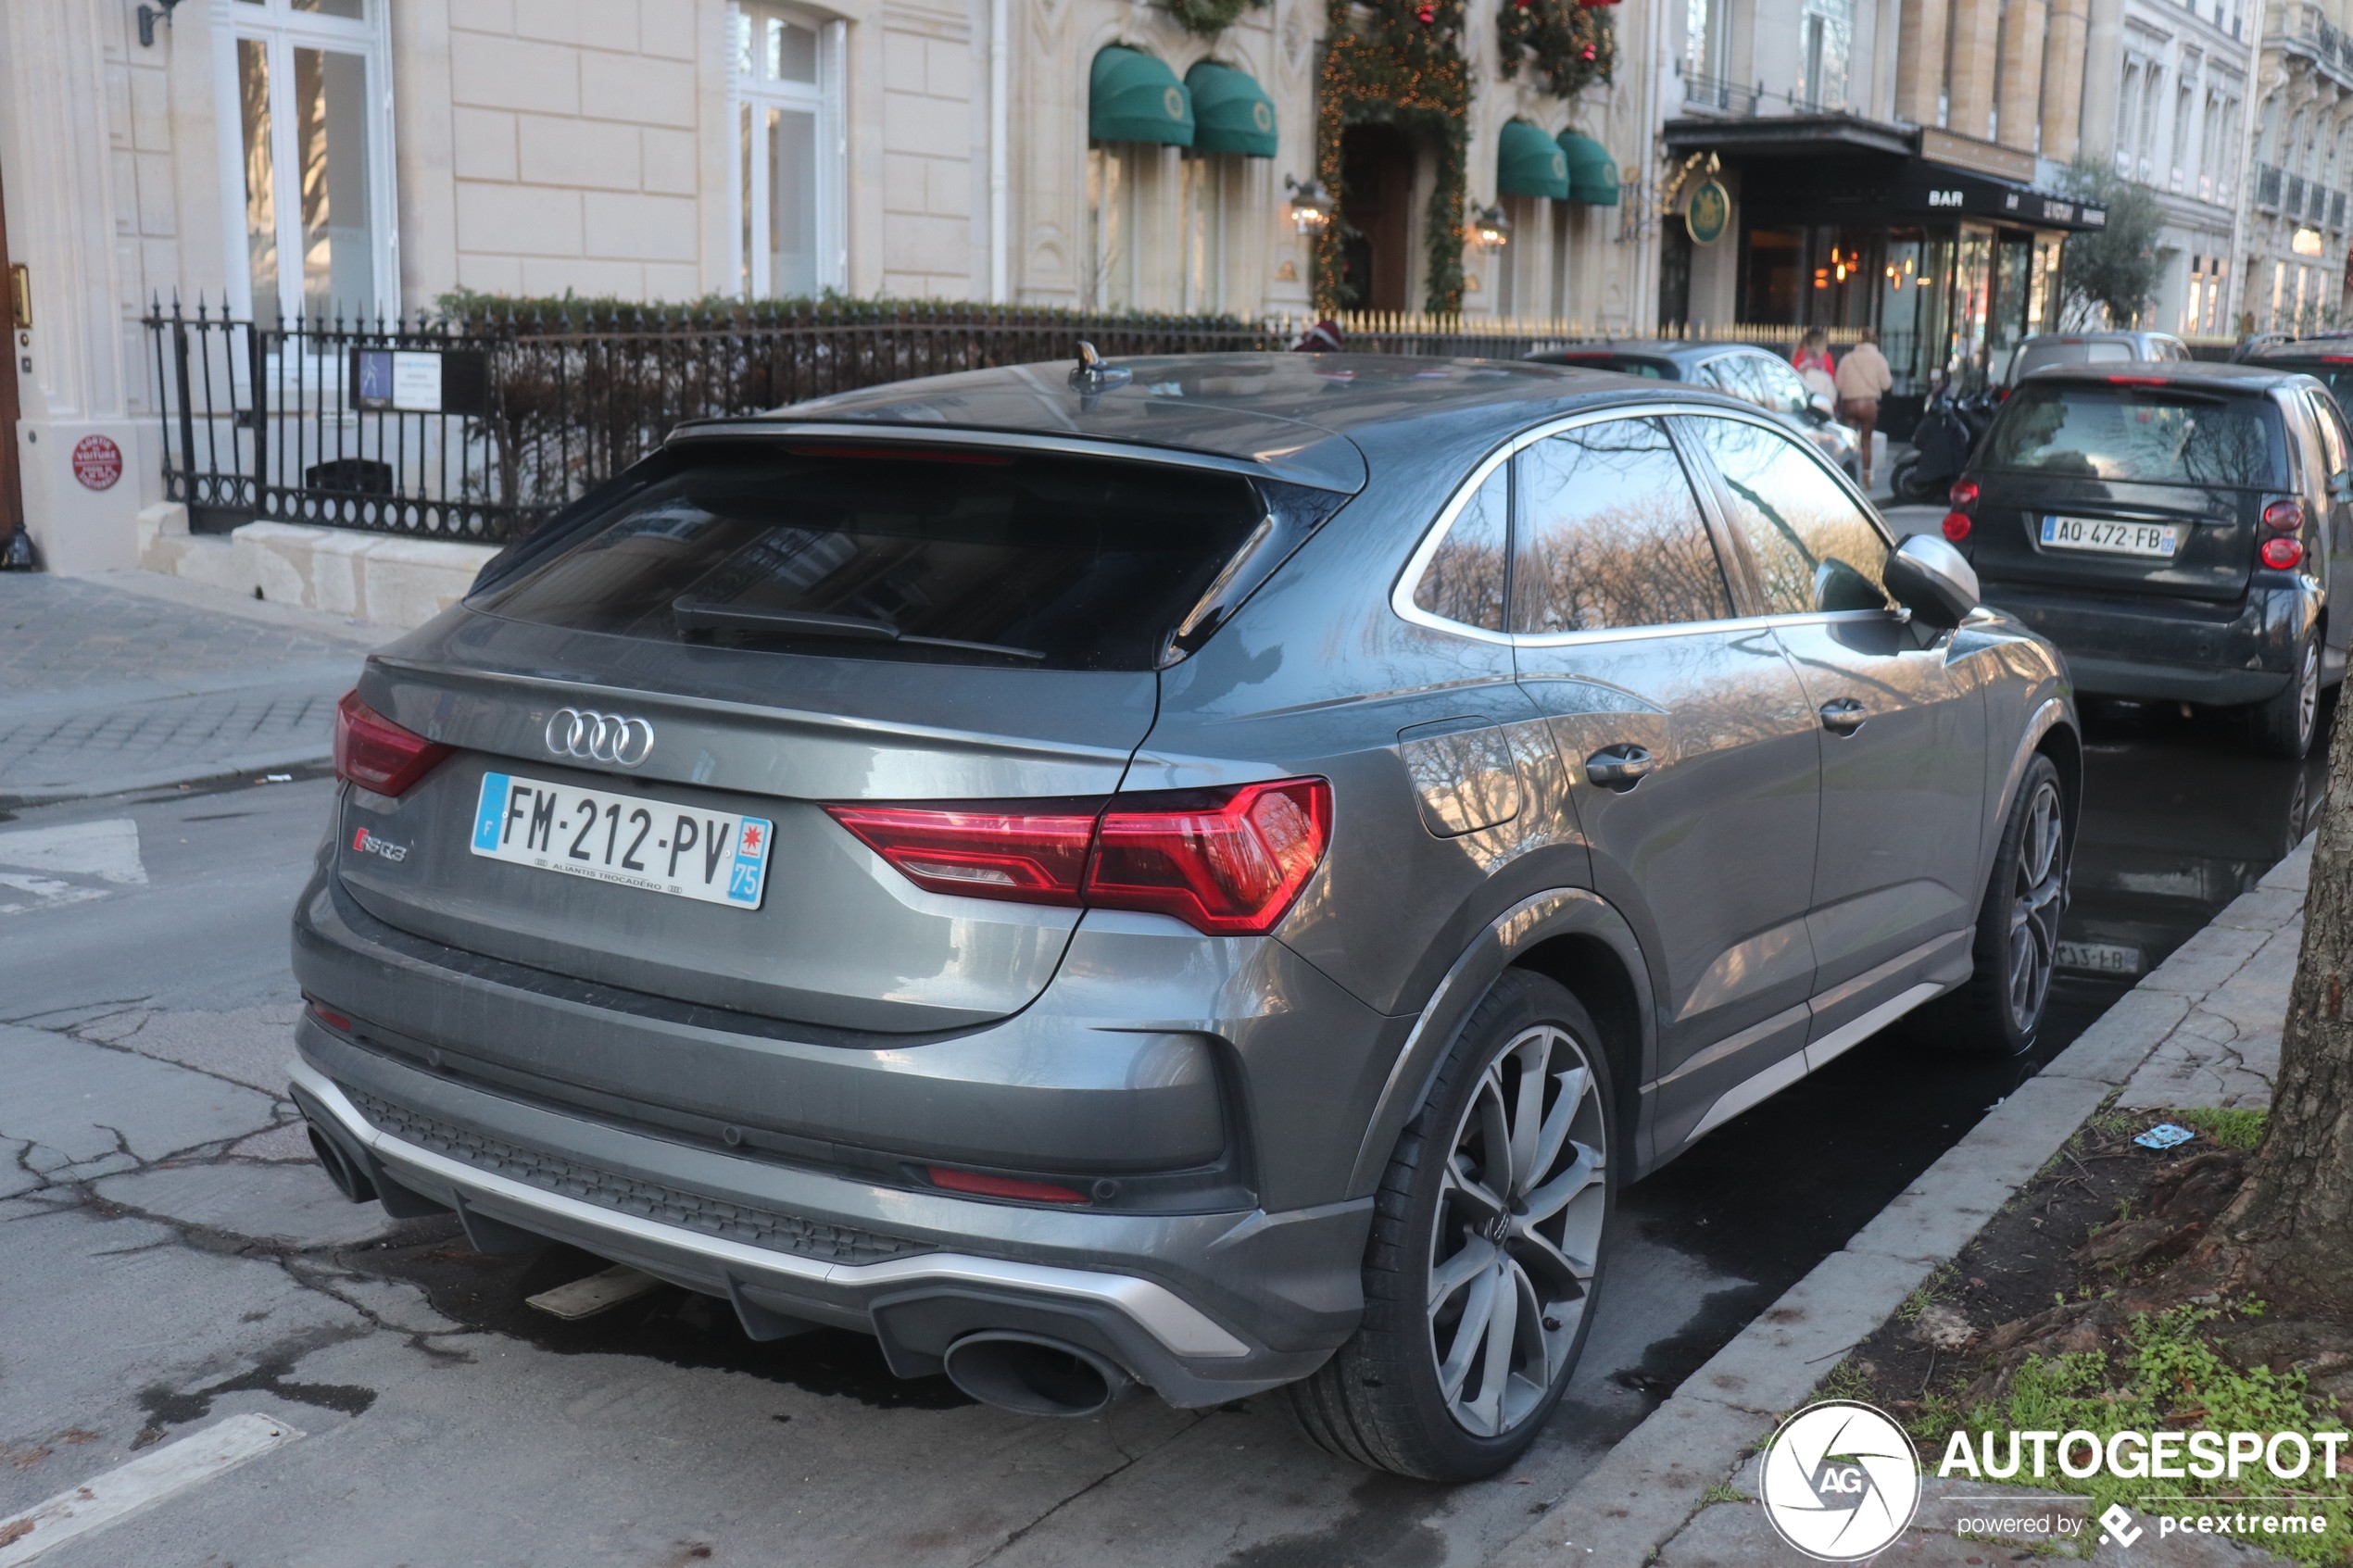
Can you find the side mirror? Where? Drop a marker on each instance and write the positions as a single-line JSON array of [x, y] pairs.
[[1821, 403], [1930, 579], [2341, 485]]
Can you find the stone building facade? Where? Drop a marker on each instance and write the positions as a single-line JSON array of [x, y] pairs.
[[2295, 194], [366, 158]]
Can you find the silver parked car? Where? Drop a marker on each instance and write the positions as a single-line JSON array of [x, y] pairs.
[[1205, 872], [2091, 348], [1738, 369]]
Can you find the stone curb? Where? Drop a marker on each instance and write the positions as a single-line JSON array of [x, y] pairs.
[[1639, 1497]]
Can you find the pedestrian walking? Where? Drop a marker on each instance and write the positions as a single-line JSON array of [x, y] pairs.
[[1862, 380], [1814, 363]]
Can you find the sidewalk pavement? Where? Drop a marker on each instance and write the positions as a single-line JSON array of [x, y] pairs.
[[130, 681], [2201, 1029]]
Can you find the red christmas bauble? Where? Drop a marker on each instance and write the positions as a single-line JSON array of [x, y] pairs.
[[1425, 15], [1587, 54]]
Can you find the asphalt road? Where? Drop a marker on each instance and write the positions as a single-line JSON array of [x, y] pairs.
[[169, 1255]]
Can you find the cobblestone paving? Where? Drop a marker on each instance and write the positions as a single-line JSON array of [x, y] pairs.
[[103, 690]]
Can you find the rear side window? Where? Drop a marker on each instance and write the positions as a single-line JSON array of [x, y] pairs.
[[1465, 579], [1609, 535], [1779, 386], [1622, 364], [950, 555], [2137, 435], [1815, 549]]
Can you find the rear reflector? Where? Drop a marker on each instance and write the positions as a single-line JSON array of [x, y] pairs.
[[375, 753], [2286, 516], [334, 1021], [1230, 862], [1003, 1186], [2282, 554], [1957, 526]]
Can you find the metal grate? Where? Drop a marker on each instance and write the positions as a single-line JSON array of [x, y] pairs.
[[648, 1200]]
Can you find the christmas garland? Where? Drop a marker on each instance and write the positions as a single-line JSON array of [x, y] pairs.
[[1208, 18], [1404, 67], [1570, 45]]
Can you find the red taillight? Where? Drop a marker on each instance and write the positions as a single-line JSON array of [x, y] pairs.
[[2136, 381], [1033, 857], [2282, 554], [1229, 862], [375, 753], [1230, 867], [2286, 516], [1963, 494], [1957, 526], [1003, 1186]]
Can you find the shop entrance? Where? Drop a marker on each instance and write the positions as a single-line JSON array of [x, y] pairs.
[[1376, 191], [16, 309]]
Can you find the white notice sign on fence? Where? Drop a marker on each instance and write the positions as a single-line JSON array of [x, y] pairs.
[[416, 380]]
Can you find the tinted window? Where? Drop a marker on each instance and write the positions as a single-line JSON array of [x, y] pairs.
[[1610, 535], [1465, 581], [1064, 562], [2152, 434], [1815, 549]]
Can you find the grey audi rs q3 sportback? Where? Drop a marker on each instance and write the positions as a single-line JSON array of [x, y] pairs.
[[1203, 872]]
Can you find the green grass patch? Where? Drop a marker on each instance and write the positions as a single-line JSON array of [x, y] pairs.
[[2232, 1129], [2172, 1377], [1846, 1381]]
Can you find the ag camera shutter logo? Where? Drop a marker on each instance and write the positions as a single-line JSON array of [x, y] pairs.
[[1840, 1481]]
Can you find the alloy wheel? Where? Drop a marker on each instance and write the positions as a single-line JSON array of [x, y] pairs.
[[1518, 1230], [2035, 906]]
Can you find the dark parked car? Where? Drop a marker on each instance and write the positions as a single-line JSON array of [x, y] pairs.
[[2174, 530], [2327, 358], [1204, 871], [1737, 369]]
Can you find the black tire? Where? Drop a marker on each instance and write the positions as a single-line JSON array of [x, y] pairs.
[[2284, 725], [1383, 1399], [1998, 1011], [1902, 481]]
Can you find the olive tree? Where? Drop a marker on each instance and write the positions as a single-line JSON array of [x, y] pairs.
[[2109, 271]]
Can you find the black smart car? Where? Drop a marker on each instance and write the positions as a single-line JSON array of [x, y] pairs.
[[2173, 529]]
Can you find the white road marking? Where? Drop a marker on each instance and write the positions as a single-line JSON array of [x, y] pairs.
[[107, 850], [47, 889], [586, 1297], [175, 1467]]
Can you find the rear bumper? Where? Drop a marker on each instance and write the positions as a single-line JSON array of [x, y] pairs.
[[1201, 1308], [2171, 650]]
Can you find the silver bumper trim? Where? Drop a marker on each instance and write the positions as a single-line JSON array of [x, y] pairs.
[[1167, 1317]]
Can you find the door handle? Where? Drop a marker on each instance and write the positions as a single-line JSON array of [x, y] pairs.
[[1620, 767], [1843, 716]]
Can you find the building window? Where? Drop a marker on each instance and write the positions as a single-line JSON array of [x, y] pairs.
[[1705, 27], [1221, 195], [1828, 41], [788, 153], [303, 92]]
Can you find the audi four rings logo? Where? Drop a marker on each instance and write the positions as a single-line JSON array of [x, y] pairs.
[[599, 737]]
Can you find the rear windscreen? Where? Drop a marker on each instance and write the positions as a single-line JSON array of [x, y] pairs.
[[2136, 434], [947, 555], [2034, 355]]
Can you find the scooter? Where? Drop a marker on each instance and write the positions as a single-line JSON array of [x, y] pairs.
[[1949, 430]]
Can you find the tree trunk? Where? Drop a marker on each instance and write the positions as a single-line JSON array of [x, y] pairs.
[[2294, 1217]]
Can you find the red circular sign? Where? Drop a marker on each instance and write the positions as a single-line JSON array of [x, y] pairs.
[[97, 462]]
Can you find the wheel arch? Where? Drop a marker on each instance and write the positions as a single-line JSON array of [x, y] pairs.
[[1569, 934]]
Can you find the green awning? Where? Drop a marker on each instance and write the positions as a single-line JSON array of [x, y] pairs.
[[1132, 98], [1592, 173], [1231, 112], [1528, 163]]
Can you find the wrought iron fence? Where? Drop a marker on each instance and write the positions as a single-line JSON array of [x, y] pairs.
[[468, 428]]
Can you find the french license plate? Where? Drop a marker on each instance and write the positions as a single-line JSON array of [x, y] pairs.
[[2100, 958], [624, 839], [2108, 536]]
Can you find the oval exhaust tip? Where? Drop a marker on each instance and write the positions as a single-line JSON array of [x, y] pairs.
[[349, 1179], [1033, 1376]]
